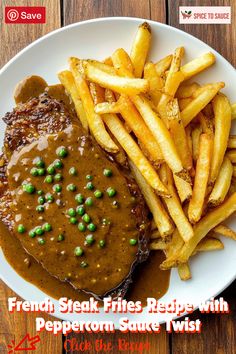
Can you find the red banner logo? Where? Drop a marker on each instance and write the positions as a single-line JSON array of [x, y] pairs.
[[25, 14]]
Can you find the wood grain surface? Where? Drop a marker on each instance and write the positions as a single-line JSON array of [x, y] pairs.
[[218, 332]]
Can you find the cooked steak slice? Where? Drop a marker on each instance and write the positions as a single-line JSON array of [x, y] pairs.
[[91, 239]]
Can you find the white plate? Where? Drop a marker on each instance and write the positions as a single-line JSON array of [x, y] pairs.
[[212, 272]]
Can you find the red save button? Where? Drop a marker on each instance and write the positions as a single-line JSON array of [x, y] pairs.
[[25, 14]]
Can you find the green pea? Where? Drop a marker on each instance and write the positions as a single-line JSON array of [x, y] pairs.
[[89, 177], [41, 241], [58, 177], [58, 164], [79, 198], [48, 179], [111, 192], [47, 227], [102, 243], [39, 162], [60, 237], [51, 170], [89, 239], [40, 192], [40, 209], [90, 186], [21, 229], [107, 172], [73, 171], [34, 171], [41, 200], [92, 227], [57, 188], [86, 218], [89, 201], [83, 264], [39, 231], [78, 251], [41, 171], [29, 188], [73, 220], [62, 152], [49, 198], [71, 187], [32, 233], [71, 212], [98, 194], [81, 227], [133, 241], [80, 210]]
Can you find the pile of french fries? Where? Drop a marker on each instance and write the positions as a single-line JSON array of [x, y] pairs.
[[174, 133]]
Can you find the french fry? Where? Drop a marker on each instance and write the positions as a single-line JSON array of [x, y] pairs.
[[225, 231], [234, 171], [140, 48], [201, 178], [222, 183], [140, 129], [188, 130], [163, 65], [196, 133], [209, 244], [160, 216], [116, 83], [206, 123], [207, 223], [122, 63], [184, 271], [95, 122], [184, 189], [158, 245], [197, 65], [161, 134], [187, 90], [174, 76], [135, 154], [233, 111], [108, 61], [156, 83], [101, 66], [173, 249], [208, 110], [232, 142], [76, 65], [174, 207], [67, 80], [107, 107], [200, 101], [222, 112], [184, 102], [231, 154], [97, 93], [178, 133], [155, 234]]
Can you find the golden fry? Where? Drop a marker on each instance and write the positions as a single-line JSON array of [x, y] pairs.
[[184, 189], [222, 121], [196, 133], [231, 154], [95, 122], [209, 244], [225, 231], [140, 48], [156, 83], [160, 216], [174, 206], [116, 83], [107, 107], [187, 90], [207, 223], [67, 80], [197, 65], [163, 65], [161, 134], [233, 111], [158, 245], [184, 102], [122, 63], [206, 123], [135, 154], [200, 101], [184, 271], [232, 142], [201, 178], [222, 183], [173, 249]]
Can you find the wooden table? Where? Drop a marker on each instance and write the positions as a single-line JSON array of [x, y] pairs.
[[218, 332]]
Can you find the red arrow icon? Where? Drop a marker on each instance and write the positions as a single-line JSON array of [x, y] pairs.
[[26, 343]]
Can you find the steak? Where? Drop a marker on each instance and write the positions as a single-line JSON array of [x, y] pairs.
[[85, 221]]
